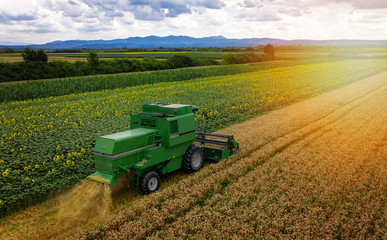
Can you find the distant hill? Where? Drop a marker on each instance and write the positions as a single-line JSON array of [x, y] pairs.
[[188, 42]]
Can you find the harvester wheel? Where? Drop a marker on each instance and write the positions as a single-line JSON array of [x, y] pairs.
[[193, 159], [150, 182]]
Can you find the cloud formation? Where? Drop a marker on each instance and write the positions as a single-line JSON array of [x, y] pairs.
[[41, 21], [261, 17], [151, 10], [364, 4], [246, 4], [290, 11], [357, 4], [6, 17]]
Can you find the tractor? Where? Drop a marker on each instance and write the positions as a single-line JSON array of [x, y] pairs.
[[160, 140]]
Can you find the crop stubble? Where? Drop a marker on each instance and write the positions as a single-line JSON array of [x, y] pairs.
[[316, 169], [290, 193]]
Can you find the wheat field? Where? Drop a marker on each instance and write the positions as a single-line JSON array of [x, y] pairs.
[[314, 170]]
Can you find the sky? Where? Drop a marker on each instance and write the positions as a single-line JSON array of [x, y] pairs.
[[42, 21]]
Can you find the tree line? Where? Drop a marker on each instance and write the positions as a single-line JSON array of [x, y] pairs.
[[37, 66], [249, 57]]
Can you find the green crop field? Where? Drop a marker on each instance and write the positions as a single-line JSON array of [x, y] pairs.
[[157, 55], [38, 89], [307, 53], [16, 57]]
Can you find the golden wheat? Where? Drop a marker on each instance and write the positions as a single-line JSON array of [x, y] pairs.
[[314, 170]]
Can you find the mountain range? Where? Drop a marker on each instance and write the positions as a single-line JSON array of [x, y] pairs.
[[190, 42]]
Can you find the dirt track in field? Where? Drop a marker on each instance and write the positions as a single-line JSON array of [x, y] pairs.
[[315, 169]]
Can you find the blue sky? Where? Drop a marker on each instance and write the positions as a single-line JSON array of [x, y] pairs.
[[41, 21]]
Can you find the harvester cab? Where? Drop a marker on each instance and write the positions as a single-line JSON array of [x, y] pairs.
[[160, 140]]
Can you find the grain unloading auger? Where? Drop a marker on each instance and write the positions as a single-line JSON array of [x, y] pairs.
[[160, 140]]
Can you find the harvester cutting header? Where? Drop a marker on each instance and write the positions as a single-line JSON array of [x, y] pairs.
[[160, 140]]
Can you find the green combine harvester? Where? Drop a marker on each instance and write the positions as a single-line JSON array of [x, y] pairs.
[[160, 140]]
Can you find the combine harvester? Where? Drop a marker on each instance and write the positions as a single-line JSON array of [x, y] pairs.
[[160, 140]]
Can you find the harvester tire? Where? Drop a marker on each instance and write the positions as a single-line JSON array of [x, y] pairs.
[[193, 159], [150, 182]]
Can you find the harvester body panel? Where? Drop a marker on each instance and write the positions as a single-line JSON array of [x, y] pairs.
[[122, 142], [118, 152]]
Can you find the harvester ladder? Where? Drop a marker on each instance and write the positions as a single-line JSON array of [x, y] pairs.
[[136, 177]]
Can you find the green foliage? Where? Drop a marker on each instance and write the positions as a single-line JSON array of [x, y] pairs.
[[29, 69], [31, 55], [142, 54], [269, 49], [7, 50], [179, 61], [239, 58], [92, 59], [67, 51], [157, 55], [40, 70]]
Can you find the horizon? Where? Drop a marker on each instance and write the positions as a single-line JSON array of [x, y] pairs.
[[32, 44]]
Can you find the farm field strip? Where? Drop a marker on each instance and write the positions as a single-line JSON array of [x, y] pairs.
[[34, 89], [214, 185], [289, 141], [67, 126], [12, 57], [382, 130], [298, 148], [238, 209]]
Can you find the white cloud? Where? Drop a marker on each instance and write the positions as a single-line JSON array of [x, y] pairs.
[[247, 4], [368, 4], [291, 11], [42, 21]]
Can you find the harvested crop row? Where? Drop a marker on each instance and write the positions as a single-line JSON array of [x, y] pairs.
[[307, 188], [189, 206], [248, 164]]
